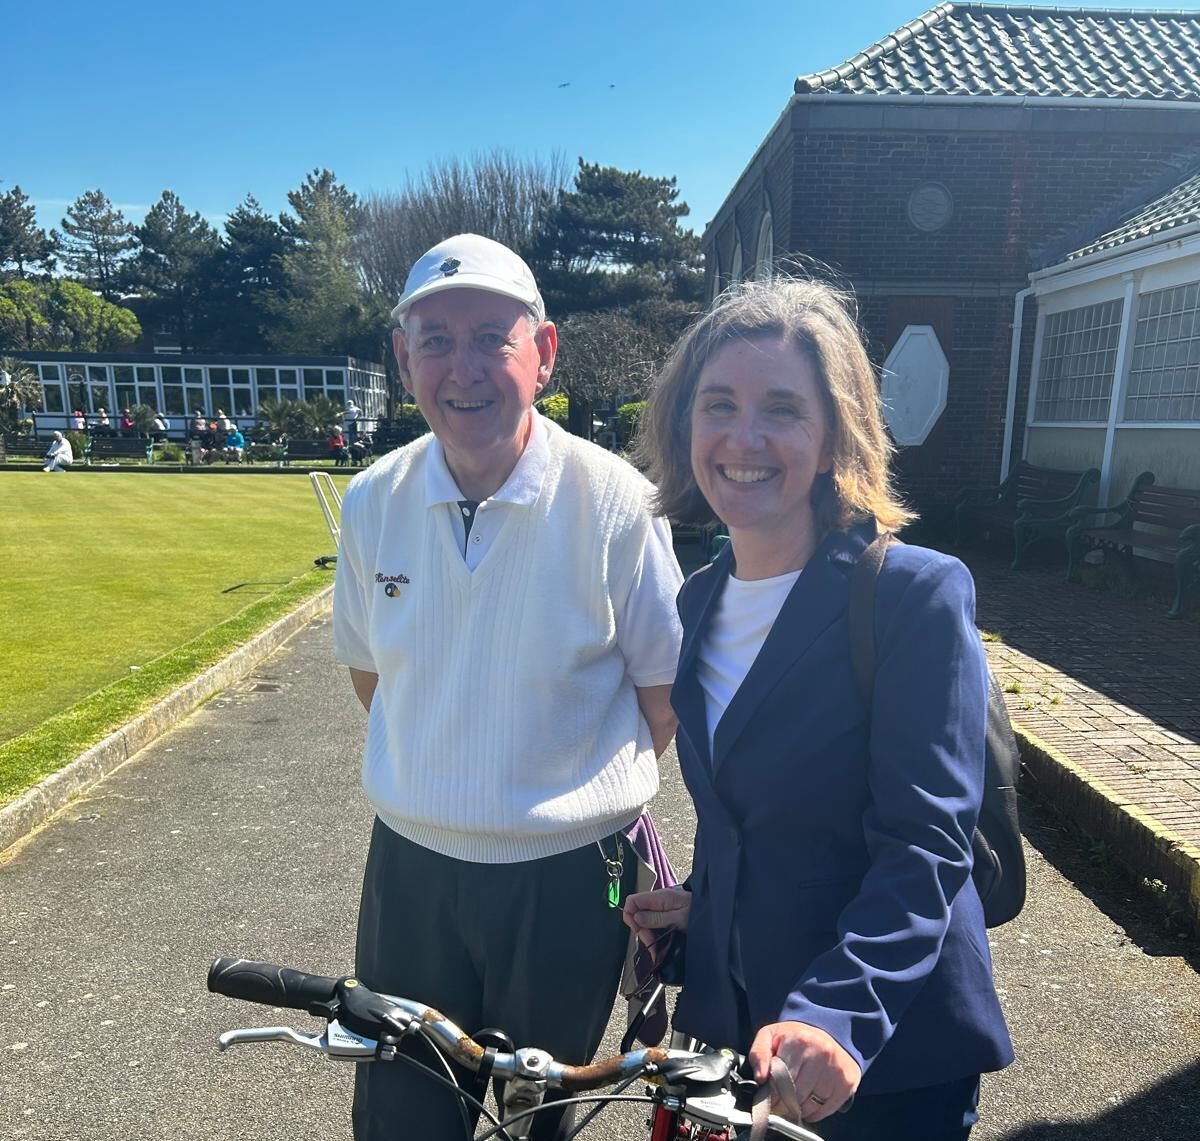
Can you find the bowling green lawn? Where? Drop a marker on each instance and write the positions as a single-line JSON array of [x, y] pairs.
[[116, 588]]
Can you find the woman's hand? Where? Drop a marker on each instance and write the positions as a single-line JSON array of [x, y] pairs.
[[646, 913], [825, 1075]]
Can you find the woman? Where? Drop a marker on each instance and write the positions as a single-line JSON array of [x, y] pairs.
[[336, 443], [831, 916]]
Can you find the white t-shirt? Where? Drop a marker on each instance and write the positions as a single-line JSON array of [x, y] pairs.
[[745, 613]]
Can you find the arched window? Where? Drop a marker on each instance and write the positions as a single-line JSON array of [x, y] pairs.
[[764, 256], [735, 273]]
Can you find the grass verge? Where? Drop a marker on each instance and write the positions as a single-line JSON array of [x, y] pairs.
[[26, 759]]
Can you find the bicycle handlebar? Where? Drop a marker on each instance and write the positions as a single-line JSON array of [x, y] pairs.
[[268, 984], [363, 1025], [370, 1016]]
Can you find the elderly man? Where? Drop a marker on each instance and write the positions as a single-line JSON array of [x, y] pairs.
[[505, 603], [59, 455]]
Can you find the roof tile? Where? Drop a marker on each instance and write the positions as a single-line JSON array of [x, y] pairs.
[[1178, 207], [1001, 49]]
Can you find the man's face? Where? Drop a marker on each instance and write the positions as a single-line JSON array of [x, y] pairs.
[[475, 365]]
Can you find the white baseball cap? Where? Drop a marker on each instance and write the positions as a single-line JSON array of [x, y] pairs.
[[468, 261]]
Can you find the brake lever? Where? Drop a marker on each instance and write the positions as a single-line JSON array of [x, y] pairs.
[[336, 1042]]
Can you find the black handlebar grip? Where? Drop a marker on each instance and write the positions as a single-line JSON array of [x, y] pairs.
[[268, 984]]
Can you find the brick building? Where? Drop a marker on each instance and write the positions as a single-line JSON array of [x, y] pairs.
[[942, 166]]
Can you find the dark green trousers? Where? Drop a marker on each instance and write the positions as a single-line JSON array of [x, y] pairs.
[[532, 949]]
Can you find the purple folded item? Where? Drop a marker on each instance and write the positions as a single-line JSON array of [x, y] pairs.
[[654, 871], [643, 838]]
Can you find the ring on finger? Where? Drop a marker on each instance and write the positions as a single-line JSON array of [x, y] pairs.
[[817, 1098]]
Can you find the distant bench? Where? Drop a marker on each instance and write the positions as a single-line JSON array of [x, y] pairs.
[[1033, 501], [318, 450], [1173, 512], [23, 448], [118, 448]]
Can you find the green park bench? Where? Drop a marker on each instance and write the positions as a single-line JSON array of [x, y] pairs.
[[24, 449], [1164, 522], [315, 450], [1035, 502], [307, 450], [118, 448]]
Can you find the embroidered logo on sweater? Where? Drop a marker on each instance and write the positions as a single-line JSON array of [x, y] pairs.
[[391, 583]]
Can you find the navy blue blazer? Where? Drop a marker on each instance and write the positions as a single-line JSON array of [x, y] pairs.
[[833, 849]]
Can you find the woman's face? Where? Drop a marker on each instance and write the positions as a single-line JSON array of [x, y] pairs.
[[760, 437]]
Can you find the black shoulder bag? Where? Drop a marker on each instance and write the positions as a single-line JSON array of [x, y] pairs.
[[999, 860]]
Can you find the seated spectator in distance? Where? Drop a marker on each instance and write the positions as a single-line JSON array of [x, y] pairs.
[[126, 423], [360, 449], [78, 424], [59, 456], [337, 448], [235, 444], [224, 424], [196, 425], [161, 426], [102, 426]]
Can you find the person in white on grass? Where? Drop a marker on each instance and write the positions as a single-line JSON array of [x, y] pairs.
[[59, 455]]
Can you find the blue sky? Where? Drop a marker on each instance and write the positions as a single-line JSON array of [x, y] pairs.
[[218, 99]]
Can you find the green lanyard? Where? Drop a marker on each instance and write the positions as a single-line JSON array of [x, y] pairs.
[[615, 867]]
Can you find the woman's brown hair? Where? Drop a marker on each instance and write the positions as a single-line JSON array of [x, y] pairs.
[[818, 320]]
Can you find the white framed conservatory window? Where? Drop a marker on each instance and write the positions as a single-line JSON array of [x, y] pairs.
[[735, 272], [764, 257], [1164, 373], [1076, 366]]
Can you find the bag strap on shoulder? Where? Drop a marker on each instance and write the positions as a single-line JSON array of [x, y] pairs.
[[861, 614]]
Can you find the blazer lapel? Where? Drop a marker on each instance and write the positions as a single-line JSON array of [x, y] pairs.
[[816, 601], [711, 581], [687, 697]]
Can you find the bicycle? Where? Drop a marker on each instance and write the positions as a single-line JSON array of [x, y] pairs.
[[696, 1095]]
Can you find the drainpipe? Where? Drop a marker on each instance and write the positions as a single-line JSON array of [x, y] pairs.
[[1014, 364], [1116, 400]]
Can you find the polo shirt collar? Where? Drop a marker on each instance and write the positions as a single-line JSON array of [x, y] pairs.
[[524, 483]]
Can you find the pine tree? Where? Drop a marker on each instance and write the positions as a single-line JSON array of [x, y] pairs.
[[174, 270], [23, 245], [615, 241], [324, 310], [97, 243], [249, 280], [623, 278]]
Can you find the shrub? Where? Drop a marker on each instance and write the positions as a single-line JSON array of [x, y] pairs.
[[554, 407], [408, 424], [169, 453], [78, 442], [628, 416]]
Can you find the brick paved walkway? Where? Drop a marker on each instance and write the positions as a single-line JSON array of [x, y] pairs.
[[1111, 683]]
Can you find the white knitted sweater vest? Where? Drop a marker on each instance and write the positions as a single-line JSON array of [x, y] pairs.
[[504, 727]]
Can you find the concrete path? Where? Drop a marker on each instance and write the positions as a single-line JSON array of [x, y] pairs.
[[244, 831]]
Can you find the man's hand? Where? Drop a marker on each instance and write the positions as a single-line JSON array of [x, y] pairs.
[[825, 1075], [646, 913]]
